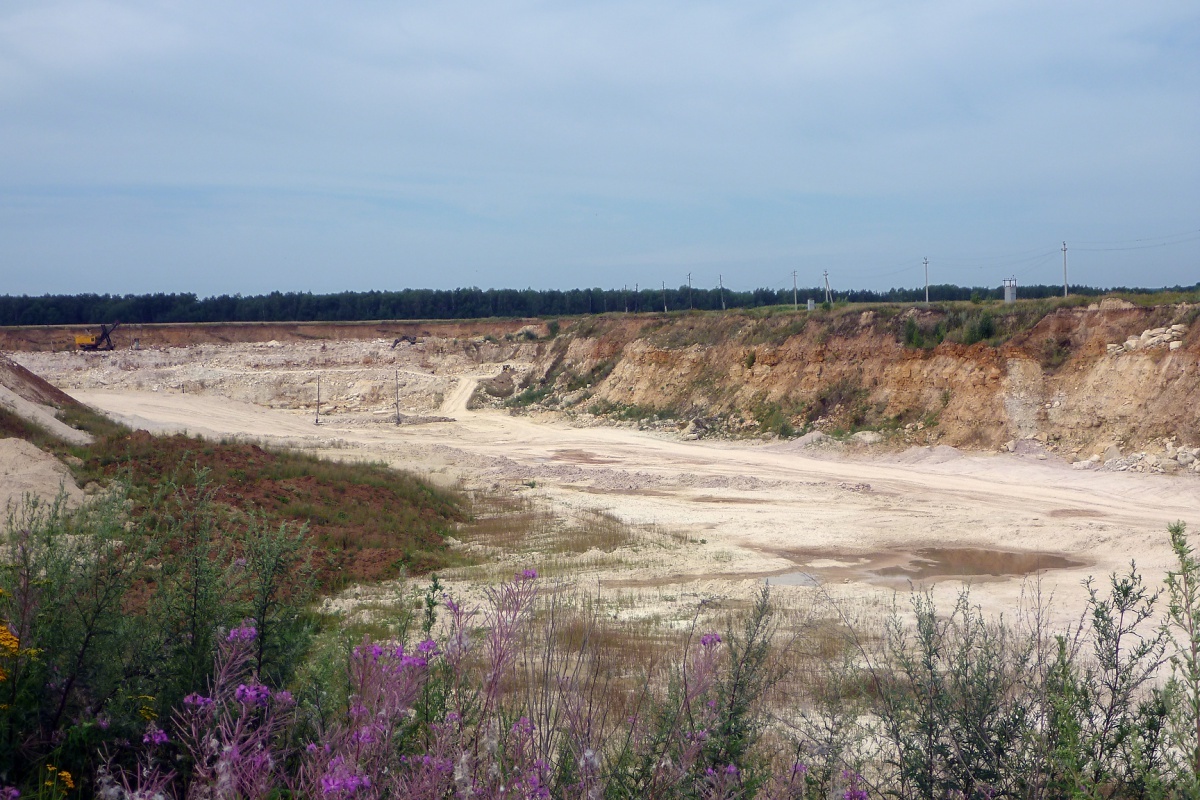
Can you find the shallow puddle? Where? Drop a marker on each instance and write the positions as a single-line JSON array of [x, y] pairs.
[[928, 564], [794, 579], [964, 562]]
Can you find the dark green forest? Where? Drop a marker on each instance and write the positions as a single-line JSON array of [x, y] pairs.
[[472, 303]]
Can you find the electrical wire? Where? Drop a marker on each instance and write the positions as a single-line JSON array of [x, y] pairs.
[[1136, 244]]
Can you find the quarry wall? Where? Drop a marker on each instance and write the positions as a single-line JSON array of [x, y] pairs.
[[1080, 379]]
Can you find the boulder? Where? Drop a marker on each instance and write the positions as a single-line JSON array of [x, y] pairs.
[[811, 438], [867, 437]]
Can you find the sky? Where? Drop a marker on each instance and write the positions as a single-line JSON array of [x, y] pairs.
[[233, 147]]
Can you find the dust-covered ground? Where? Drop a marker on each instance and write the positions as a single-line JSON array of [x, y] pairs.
[[719, 517]]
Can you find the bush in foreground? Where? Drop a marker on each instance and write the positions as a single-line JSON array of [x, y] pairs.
[[508, 703]]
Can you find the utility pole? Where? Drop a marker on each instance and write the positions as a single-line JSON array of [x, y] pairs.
[[927, 283], [1064, 269], [317, 421], [689, 291], [664, 297], [828, 296], [795, 301], [721, 283], [635, 298], [625, 296]]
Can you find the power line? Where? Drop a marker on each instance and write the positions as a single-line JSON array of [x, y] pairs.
[[1193, 238], [1157, 241]]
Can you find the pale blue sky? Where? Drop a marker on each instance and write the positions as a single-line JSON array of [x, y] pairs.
[[223, 147]]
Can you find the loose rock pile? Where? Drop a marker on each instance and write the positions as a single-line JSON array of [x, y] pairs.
[[1171, 460], [1151, 337]]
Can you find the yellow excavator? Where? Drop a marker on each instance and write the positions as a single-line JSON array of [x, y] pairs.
[[91, 342]]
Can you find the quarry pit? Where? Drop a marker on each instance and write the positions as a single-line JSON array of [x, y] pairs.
[[852, 520]]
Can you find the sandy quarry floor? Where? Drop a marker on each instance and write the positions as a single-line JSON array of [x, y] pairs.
[[853, 526], [763, 511]]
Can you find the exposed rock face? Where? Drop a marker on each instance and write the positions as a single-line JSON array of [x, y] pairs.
[[1102, 381], [1055, 381]]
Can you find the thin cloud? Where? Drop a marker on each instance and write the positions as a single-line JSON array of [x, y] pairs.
[[307, 146]]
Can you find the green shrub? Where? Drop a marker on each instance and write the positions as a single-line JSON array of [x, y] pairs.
[[1183, 620], [114, 621]]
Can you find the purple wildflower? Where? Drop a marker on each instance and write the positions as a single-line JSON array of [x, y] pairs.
[[344, 784], [527, 575], [9, 793], [253, 695], [427, 648], [710, 639], [155, 736], [197, 700], [245, 633], [854, 788]]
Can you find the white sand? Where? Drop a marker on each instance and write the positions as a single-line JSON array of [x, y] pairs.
[[26, 471], [753, 504]]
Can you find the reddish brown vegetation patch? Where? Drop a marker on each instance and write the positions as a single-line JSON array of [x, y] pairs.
[[365, 522]]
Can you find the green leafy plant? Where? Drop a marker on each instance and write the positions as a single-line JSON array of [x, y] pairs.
[[1183, 620]]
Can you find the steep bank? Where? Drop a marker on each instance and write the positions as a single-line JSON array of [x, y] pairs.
[[1079, 379]]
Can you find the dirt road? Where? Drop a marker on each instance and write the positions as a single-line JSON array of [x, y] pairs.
[[761, 511]]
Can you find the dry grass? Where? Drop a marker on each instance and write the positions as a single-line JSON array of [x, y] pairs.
[[524, 524]]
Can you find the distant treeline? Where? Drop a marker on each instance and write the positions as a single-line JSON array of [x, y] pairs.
[[91, 309]]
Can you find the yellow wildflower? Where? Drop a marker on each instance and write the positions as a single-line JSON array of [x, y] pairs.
[[10, 645], [146, 711], [66, 779]]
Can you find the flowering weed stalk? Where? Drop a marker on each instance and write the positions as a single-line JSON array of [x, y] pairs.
[[229, 735]]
